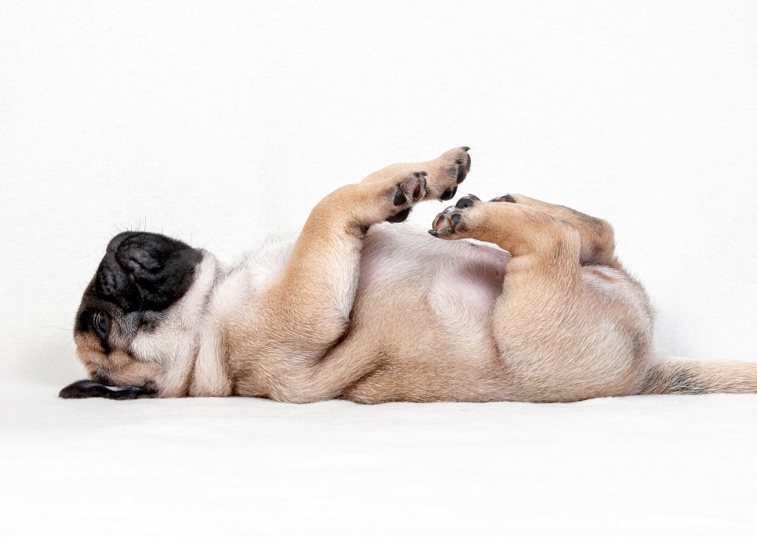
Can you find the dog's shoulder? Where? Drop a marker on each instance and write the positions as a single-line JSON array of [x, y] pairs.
[[251, 274]]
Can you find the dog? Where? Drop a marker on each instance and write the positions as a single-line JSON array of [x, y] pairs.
[[361, 308]]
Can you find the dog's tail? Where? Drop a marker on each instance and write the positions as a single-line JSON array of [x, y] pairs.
[[691, 377]]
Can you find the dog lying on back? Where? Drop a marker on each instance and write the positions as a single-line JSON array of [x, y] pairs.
[[359, 309]]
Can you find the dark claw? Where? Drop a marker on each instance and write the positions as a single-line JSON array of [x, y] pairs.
[[456, 218], [463, 167], [461, 173], [449, 194], [506, 198]]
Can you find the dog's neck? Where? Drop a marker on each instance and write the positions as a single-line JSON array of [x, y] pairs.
[[225, 287], [197, 350]]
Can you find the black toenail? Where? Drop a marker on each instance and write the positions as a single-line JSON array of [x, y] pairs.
[[461, 173], [464, 203], [466, 148], [456, 218], [449, 194], [399, 217], [399, 198], [507, 198]]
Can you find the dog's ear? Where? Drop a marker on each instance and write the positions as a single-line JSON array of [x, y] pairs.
[[87, 388]]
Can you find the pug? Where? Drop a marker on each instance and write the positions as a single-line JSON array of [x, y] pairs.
[[360, 307]]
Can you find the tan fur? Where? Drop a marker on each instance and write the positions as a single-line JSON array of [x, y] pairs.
[[361, 310], [129, 370]]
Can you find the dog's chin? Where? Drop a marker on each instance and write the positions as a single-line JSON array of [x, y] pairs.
[[84, 389]]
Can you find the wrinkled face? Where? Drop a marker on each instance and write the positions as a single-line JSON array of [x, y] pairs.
[[136, 318]]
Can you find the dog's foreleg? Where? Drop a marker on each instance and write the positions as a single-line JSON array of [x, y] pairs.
[[305, 313], [444, 173], [313, 297]]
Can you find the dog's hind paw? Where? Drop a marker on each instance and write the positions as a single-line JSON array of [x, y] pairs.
[[451, 221]]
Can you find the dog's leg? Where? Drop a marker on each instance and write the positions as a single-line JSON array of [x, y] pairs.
[[597, 236], [444, 173], [560, 337], [315, 292], [307, 309], [567, 329], [317, 287]]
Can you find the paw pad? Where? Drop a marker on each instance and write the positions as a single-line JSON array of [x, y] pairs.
[[467, 201], [448, 194], [408, 192], [448, 171], [450, 221], [399, 198]]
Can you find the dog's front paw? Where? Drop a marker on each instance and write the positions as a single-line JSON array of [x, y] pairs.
[[452, 222], [406, 193], [446, 172]]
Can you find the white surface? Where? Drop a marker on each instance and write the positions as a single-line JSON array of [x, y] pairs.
[[221, 123]]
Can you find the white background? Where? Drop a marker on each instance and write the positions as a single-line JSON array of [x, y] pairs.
[[221, 122]]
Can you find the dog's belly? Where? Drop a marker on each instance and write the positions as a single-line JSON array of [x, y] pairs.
[[460, 281], [424, 306]]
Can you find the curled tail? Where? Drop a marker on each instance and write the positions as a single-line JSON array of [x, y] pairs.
[[691, 377]]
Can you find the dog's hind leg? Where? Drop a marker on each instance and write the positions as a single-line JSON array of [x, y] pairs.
[[597, 235], [564, 331]]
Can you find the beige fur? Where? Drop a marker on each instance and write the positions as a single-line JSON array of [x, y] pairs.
[[369, 311]]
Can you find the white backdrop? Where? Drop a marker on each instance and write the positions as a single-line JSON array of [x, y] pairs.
[[221, 122]]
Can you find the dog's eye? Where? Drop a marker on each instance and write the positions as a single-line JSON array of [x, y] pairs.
[[100, 323]]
